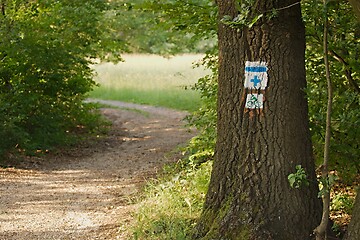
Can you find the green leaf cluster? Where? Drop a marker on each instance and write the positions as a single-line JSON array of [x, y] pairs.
[[45, 51], [343, 202], [326, 183], [246, 17], [299, 178]]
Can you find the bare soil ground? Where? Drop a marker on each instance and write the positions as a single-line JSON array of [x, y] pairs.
[[86, 193]]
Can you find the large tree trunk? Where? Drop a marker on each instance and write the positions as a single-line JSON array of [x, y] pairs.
[[249, 196], [353, 232]]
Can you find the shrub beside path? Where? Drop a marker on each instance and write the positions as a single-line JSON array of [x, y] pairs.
[[86, 193]]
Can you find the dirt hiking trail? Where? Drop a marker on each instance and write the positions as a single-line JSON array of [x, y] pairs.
[[84, 194]]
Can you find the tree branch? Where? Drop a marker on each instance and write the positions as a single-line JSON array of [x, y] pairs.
[[3, 8], [348, 70]]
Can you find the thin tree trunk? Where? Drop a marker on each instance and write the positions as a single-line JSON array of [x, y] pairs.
[[320, 231]]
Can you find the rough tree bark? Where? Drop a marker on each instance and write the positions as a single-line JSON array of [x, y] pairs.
[[249, 196], [353, 232]]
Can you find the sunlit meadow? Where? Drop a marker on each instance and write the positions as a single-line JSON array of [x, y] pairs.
[[151, 79]]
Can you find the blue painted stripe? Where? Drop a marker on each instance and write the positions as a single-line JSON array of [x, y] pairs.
[[256, 69]]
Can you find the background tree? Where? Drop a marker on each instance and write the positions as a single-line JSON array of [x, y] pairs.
[[249, 196]]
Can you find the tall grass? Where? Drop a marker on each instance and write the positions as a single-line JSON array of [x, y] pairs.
[[150, 79], [172, 204]]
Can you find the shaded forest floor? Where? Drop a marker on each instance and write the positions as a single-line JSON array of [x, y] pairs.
[[87, 193]]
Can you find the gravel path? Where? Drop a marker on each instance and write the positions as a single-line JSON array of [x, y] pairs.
[[86, 193]]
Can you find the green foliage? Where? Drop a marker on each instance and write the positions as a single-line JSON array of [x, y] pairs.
[[190, 25], [326, 184], [345, 72], [336, 228], [299, 178], [246, 17], [202, 146], [342, 202], [172, 203], [45, 50]]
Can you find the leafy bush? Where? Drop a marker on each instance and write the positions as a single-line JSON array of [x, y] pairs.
[[45, 52], [342, 202], [202, 146]]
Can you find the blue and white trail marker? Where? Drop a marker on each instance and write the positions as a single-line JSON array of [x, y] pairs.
[[255, 75]]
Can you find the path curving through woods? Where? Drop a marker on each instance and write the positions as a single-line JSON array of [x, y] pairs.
[[84, 194]]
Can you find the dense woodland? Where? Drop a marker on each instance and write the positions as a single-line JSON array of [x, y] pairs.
[[46, 48]]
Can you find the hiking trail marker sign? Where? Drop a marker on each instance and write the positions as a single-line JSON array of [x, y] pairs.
[[256, 79], [255, 75], [254, 101]]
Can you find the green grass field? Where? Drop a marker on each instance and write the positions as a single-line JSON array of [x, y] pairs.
[[150, 79]]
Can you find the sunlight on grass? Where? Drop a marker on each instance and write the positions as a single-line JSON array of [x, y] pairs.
[[172, 205], [151, 79]]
